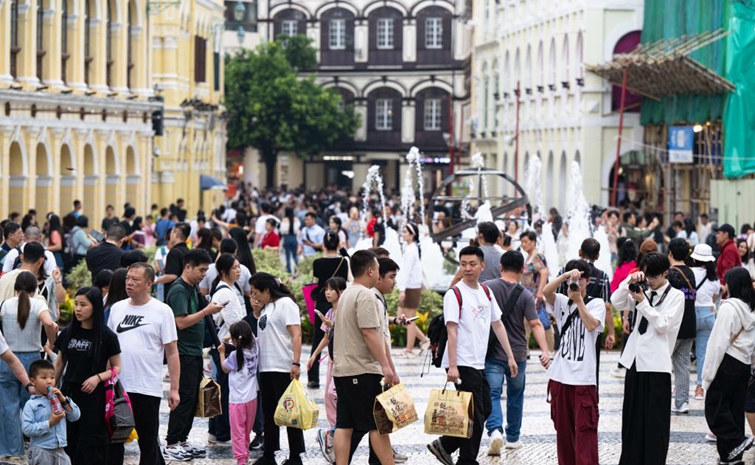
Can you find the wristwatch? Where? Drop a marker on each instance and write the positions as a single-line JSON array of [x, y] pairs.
[[66, 402], [27, 386]]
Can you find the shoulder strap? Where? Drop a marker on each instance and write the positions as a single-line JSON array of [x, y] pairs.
[[705, 278], [457, 293], [513, 298], [339, 267], [487, 291], [689, 285]]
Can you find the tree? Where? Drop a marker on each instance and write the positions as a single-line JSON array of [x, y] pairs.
[[272, 109], [299, 51]]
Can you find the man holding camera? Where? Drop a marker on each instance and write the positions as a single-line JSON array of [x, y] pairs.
[[573, 382], [658, 307]]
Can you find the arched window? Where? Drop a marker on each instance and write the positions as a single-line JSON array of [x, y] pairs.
[[540, 69], [40, 40], [15, 44], [632, 100], [565, 63], [64, 55], [507, 73], [528, 68], [109, 45], [485, 90], [496, 94], [517, 67], [552, 59], [579, 72], [88, 55], [130, 46]]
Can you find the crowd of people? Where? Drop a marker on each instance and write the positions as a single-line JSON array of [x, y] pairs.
[[684, 295]]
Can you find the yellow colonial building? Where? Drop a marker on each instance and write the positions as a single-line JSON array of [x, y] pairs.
[[81, 84]]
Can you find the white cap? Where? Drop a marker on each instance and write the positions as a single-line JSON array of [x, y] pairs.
[[703, 253]]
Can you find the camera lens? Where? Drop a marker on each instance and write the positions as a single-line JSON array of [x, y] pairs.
[[574, 287], [634, 287]]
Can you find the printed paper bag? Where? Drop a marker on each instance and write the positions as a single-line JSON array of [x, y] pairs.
[[296, 409], [394, 409], [450, 413], [208, 404]]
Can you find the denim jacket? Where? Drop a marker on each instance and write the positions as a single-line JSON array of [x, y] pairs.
[[36, 423]]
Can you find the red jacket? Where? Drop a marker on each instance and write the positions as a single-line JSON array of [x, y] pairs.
[[728, 259]]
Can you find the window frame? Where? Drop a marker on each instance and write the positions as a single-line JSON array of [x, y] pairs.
[[434, 34], [433, 112], [15, 47], [337, 31], [40, 40], [289, 22], [200, 59], [385, 26], [384, 121]]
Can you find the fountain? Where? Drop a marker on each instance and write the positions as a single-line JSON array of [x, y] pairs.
[[374, 181], [547, 242]]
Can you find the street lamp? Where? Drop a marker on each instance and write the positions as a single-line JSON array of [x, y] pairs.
[[240, 32], [238, 11]]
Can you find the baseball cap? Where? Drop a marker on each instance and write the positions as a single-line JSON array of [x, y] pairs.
[[727, 228]]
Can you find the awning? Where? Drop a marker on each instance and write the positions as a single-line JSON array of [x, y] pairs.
[[664, 68], [208, 182]]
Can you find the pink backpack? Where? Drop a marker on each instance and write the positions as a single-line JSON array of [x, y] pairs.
[[119, 417]]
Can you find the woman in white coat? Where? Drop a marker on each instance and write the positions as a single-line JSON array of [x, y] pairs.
[[727, 367], [410, 288]]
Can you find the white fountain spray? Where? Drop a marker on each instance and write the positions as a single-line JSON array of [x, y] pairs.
[[578, 216], [375, 180], [408, 197], [534, 194]]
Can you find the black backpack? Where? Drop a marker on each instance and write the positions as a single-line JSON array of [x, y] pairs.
[[437, 332]]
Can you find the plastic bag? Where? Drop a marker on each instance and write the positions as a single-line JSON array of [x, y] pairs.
[[296, 409]]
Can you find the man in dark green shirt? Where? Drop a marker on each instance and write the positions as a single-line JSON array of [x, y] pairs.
[[189, 309]]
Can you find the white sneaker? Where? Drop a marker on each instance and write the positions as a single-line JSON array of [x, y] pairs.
[[176, 452], [496, 443], [619, 372], [684, 408], [710, 437], [514, 445]]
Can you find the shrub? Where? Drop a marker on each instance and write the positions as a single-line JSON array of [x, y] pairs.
[[268, 261], [79, 277], [431, 305]]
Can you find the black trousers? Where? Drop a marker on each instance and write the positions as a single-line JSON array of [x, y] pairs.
[[88, 439], [725, 405], [474, 381], [313, 374], [182, 418], [219, 426], [147, 419], [272, 387], [646, 418]]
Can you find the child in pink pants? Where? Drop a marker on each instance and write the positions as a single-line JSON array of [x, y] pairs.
[[241, 366]]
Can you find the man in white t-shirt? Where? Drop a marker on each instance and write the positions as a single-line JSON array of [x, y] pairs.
[[573, 373], [228, 245], [470, 311], [32, 234], [146, 331], [259, 225]]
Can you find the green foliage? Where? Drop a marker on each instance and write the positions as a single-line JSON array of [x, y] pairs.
[[271, 109], [431, 305], [304, 273], [79, 277], [65, 310], [269, 262], [299, 51]]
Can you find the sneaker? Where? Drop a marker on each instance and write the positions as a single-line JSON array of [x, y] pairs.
[[514, 444], [265, 461], [710, 437], [436, 448], [731, 462], [619, 372], [496, 443], [212, 440], [194, 451], [736, 453], [257, 443], [176, 452], [313, 385], [699, 393], [326, 448], [397, 458], [682, 409], [293, 461]]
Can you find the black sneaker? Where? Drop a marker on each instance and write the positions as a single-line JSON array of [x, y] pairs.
[[313, 385], [265, 461], [293, 461], [437, 450], [258, 443]]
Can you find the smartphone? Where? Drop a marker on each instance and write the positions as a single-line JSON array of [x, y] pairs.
[[409, 320], [96, 235], [319, 313]]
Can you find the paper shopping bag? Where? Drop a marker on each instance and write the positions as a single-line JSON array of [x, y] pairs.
[[394, 409], [208, 404], [296, 409], [450, 413]]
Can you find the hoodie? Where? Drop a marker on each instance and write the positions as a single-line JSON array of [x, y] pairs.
[[733, 316]]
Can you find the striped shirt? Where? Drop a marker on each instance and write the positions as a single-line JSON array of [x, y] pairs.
[[599, 286]]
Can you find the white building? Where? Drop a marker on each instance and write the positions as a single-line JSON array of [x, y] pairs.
[[399, 63], [565, 114]]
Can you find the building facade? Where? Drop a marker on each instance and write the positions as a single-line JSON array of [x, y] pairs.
[[533, 51], [77, 104], [403, 65]]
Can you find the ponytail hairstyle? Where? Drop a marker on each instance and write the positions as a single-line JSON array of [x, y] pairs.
[[26, 286], [267, 282], [223, 267], [242, 333], [414, 231], [331, 240], [289, 214]]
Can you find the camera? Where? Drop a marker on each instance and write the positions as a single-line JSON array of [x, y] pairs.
[[638, 287], [573, 286]]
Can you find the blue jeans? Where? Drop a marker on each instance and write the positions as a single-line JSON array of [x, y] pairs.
[[495, 371], [290, 246], [705, 320], [14, 396]]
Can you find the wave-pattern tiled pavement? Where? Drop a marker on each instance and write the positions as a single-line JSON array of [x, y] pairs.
[[688, 446]]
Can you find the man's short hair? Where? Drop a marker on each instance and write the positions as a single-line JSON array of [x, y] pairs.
[[32, 233], [109, 207], [512, 261], [40, 365], [627, 215], [149, 272], [130, 211], [380, 252], [677, 224], [311, 215], [361, 261], [584, 268], [655, 264], [590, 249], [679, 249], [116, 232], [197, 257], [32, 252], [386, 266], [76, 203], [163, 211], [133, 256], [704, 215], [183, 229], [472, 250], [229, 245], [489, 231], [10, 228]]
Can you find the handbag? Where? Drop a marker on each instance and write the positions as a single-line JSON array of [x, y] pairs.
[[208, 402], [308, 291], [394, 409], [449, 413], [119, 417]]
